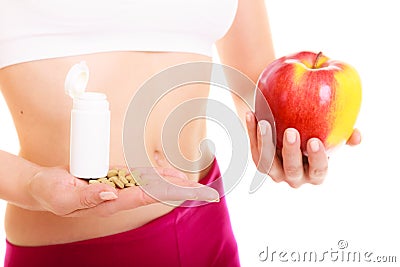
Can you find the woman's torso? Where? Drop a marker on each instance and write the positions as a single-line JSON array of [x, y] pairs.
[[34, 92], [48, 35]]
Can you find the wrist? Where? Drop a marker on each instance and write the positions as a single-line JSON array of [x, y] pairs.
[[26, 178]]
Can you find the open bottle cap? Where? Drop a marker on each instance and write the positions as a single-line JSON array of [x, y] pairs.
[[77, 80]]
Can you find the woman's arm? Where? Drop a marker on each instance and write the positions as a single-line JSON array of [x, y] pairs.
[[29, 186], [33, 187], [247, 46], [13, 179]]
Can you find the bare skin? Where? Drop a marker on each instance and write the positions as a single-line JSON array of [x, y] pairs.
[[41, 111]]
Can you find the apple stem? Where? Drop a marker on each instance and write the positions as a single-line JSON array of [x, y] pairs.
[[316, 60]]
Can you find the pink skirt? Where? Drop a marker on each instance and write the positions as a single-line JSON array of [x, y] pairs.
[[198, 236]]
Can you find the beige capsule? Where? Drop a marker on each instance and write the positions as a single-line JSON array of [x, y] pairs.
[[102, 180], [123, 179], [122, 172], [117, 181], [129, 185], [94, 181], [129, 178], [112, 172]]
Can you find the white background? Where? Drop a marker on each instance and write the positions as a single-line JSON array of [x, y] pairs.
[[359, 200]]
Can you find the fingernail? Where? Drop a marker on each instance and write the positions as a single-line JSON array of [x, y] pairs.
[[213, 200], [314, 145], [263, 127], [248, 116], [108, 195], [290, 137], [209, 194]]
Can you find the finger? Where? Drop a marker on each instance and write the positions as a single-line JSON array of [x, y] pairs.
[[176, 189], [265, 146], [276, 173], [83, 197], [133, 197], [355, 138], [317, 160], [161, 171], [126, 199], [292, 158], [252, 131], [92, 195]]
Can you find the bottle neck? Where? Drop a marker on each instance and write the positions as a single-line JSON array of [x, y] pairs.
[[91, 101]]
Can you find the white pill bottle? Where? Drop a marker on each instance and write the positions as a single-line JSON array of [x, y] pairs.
[[90, 126]]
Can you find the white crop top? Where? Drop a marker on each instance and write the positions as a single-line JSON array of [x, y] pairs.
[[38, 29]]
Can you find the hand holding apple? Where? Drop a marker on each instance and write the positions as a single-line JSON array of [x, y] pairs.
[[291, 166], [318, 96]]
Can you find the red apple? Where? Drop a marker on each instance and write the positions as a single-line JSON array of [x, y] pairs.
[[318, 96]]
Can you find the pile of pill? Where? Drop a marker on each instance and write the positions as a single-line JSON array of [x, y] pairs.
[[119, 178]]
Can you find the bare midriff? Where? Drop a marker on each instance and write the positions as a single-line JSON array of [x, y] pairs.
[[34, 92]]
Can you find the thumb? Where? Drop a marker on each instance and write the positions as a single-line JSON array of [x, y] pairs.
[[92, 195], [265, 146]]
